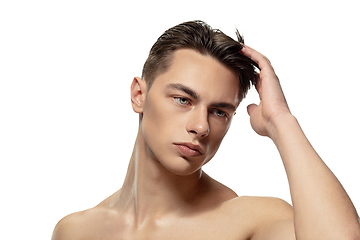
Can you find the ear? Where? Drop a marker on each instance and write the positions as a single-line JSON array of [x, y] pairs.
[[138, 94]]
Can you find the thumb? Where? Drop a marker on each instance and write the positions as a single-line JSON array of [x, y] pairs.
[[251, 108]]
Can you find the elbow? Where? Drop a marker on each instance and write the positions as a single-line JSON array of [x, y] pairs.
[[354, 233], [351, 230], [356, 236]]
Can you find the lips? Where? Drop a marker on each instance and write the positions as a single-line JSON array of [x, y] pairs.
[[189, 149]]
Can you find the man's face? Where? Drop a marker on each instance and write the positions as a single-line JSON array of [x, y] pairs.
[[188, 111]]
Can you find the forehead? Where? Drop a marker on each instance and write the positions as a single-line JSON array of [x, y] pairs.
[[212, 80]]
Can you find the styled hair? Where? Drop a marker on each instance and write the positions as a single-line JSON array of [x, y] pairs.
[[199, 36]]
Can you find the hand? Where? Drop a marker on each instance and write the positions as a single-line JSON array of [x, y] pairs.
[[265, 116]]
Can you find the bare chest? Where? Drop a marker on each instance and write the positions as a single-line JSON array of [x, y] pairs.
[[185, 228]]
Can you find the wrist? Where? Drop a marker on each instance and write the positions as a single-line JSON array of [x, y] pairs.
[[282, 122]]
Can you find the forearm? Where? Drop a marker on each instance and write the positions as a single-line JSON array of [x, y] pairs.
[[322, 209]]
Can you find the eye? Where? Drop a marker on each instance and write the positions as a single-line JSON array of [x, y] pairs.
[[182, 100], [219, 113]]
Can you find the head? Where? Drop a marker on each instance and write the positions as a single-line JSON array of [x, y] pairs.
[[193, 81], [199, 36]]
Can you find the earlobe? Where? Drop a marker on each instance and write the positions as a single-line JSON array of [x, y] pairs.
[[138, 94]]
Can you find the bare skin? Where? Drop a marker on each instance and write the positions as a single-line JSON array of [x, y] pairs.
[[166, 195]]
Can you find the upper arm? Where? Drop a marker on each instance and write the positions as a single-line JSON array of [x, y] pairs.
[[277, 230], [275, 222]]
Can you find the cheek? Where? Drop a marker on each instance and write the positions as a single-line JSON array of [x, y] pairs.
[[151, 120], [217, 134], [159, 120], [218, 130]]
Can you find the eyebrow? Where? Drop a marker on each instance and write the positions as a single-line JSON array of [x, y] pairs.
[[185, 89], [224, 106], [196, 96]]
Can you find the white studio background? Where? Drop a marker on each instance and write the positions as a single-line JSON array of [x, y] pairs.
[[67, 127]]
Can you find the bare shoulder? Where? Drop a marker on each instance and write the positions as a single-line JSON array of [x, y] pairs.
[[261, 205], [82, 225], [264, 216], [65, 228], [258, 209], [269, 206]]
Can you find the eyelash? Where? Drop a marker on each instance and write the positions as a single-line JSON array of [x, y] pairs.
[[178, 100], [217, 111], [188, 102]]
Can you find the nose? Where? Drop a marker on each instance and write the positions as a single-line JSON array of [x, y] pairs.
[[198, 123]]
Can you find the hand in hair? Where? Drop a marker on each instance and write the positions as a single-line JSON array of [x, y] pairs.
[[272, 106], [317, 196]]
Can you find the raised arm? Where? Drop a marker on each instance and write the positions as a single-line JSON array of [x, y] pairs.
[[322, 209]]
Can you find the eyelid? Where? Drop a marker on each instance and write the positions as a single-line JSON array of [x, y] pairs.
[[226, 114], [176, 98], [211, 110]]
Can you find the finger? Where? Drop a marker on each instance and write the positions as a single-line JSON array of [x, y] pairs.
[[251, 108], [258, 85], [257, 57]]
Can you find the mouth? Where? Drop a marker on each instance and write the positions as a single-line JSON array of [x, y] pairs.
[[189, 149]]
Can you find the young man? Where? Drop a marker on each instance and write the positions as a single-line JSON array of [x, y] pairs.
[[193, 81]]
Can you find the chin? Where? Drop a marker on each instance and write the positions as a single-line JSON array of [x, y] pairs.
[[182, 167]]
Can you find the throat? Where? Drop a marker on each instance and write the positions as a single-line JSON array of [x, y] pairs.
[[150, 190]]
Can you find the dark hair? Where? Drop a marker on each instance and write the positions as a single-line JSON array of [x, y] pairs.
[[199, 36]]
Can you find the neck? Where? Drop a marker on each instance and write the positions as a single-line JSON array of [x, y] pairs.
[[151, 191]]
